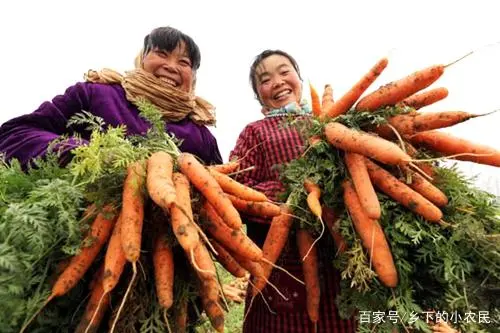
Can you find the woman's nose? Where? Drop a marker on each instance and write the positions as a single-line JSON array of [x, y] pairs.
[[278, 83], [169, 65]]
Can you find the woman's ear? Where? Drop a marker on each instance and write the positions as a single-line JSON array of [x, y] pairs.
[[138, 59], [194, 81]]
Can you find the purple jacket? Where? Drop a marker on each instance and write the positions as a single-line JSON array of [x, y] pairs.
[[28, 136]]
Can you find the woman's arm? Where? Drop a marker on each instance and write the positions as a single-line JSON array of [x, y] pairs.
[[28, 136]]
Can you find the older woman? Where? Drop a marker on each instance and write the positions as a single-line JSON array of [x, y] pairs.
[[166, 78]]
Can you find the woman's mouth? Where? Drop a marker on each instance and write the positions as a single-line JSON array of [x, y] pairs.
[[282, 95], [168, 81]]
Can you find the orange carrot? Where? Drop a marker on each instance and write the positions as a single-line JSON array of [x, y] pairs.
[[427, 189], [418, 101], [409, 124], [94, 311], [181, 316], [332, 221], [132, 212], [226, 168], [396, 91], [402, 193], [80, 263], [365, 144], [182, 215], [227, 261], [255, 268], [212, 308], [202, 262], [159, 179], [311, 275], [235, 188], [314, 140], [342, 105], [372, 236], [211, 190], [316, 104], [364, 187], [313, 197], [163, 261], [232, 239], [274, 243], [115, 260], [327, 98], [448, 144], [255, 208], [214, 313]]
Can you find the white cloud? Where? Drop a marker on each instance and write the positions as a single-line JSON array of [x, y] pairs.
[[48, 45]]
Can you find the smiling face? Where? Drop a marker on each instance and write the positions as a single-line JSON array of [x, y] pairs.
[[277, 82], [174, 68]]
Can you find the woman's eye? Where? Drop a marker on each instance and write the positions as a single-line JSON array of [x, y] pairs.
[[162, 54], [185, 62], [285, 72]]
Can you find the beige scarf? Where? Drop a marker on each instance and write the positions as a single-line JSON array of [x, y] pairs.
[[174, 104]]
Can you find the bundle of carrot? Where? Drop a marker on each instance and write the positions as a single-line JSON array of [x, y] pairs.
[[411, 235], [191, 202], [157, 221]]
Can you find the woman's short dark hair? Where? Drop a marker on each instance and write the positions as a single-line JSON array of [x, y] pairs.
[[167, 39], [263, 55]]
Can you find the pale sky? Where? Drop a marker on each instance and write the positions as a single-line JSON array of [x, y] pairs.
[[48, 45]]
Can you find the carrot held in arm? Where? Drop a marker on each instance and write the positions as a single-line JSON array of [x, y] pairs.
[[274, 243], [465, 150], [255, 208], [227, 261], [316, 104], [132, 212], [314, 204], [229, 185], [427, 189], [343, 104], [226, 168], [313, 197], [182, 215], [80, 263], [409, 124], [232, 239], [163, 261], [213, 310], [332, 222], [94, 311], [431, 96], [363, 185], [305, 243], [327, 98], [396, 91], [131, 223], [211, 190], [372, 236], [365, 144], [402, 193], [159, 179], [114, 260]]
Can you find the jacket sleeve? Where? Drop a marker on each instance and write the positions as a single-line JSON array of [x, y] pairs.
[[213, 155], [28, 136]]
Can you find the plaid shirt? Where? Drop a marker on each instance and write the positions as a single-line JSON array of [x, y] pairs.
[[265, 144]]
